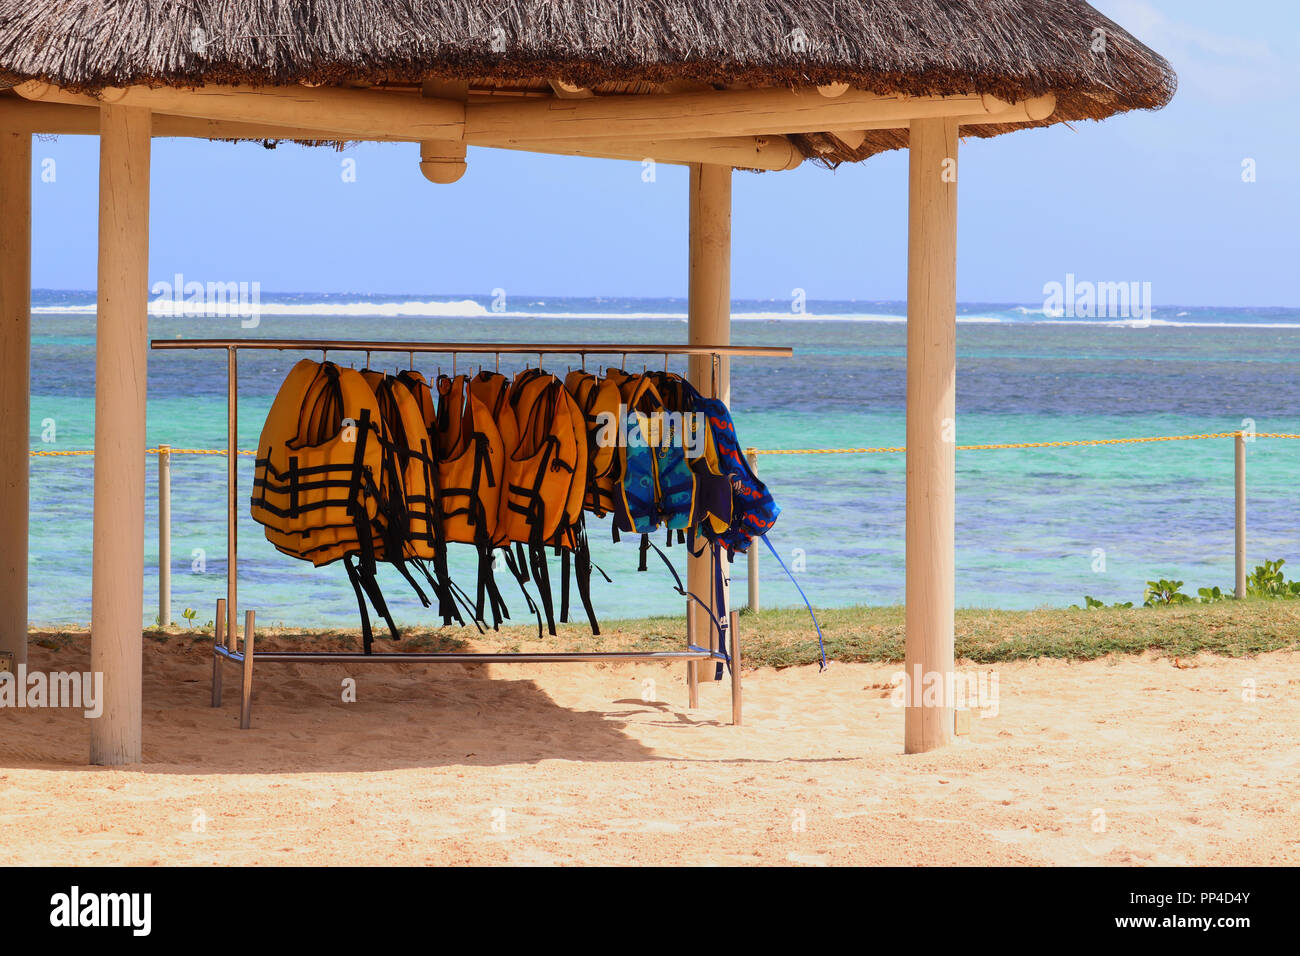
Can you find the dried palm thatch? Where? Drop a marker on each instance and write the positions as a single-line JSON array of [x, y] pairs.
[[1013, 49]]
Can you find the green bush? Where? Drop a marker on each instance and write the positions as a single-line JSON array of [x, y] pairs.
[[1164, 592], [1266, 581]]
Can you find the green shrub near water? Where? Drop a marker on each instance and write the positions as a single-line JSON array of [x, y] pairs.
[[1266, 581]]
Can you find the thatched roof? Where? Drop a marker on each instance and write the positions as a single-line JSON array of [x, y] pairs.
[[1013, 49]]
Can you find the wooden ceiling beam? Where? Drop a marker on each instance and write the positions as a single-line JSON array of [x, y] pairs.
[[769, 152], [753, 152], [369, 114], [620, 126], [345, 113], [706, 114]]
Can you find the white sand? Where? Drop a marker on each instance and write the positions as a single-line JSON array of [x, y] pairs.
[[567, 764]]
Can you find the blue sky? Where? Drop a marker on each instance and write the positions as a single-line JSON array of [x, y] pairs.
[[1152, 197]]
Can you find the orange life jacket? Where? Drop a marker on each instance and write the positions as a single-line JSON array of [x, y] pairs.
[[599, 400], [470, 478], [319, 463], [545, 484], [320, 477]]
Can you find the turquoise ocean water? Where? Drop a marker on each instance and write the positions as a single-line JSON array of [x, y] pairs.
[[1029, 522]]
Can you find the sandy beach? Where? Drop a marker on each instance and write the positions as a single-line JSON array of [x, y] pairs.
[[1126, 760]]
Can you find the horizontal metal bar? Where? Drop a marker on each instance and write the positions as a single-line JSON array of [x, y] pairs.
[[480, 348], [345, 657]]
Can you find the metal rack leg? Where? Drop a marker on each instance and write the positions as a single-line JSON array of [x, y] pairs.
[[735, 669], [692, 678], [218, 625], [246, 705]]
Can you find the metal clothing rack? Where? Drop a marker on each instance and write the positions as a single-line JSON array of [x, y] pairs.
[[226, 646]]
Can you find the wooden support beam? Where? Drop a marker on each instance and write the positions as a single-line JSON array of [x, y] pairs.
[[748, 152], [326, 113], [67, 119], [931, 436], [121, 355], [708, 322], [715, 113], [352, 114], [742, 152], [1027, 111], [15, 384], [443, 161], [25, 116]]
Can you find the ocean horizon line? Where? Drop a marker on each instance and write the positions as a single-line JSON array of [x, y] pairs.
[[241, 302], [578, 297]]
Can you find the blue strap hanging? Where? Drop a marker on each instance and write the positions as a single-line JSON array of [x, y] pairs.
[[708, 609], [821, 644]]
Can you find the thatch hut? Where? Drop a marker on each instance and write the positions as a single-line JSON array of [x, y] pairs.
[[715, 84]]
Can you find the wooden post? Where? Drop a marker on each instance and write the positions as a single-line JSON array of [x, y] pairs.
[[121, 354], [164, 535], [1240, 469], [709, 323], [15, 384], [751, 556], [931, 416]]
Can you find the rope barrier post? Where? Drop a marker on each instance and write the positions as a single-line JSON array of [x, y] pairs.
[[164, 535], [751, 567], [1240, 442]]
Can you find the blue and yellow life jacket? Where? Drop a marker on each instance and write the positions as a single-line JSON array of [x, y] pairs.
[[754, 511], [637, 494]]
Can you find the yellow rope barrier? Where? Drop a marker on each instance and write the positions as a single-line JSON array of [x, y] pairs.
[[147, 451], [897, 449]]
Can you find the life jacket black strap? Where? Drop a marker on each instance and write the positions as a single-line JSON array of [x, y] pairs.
[[520, 571], [582, 568], [566, 569], [293, 488]]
